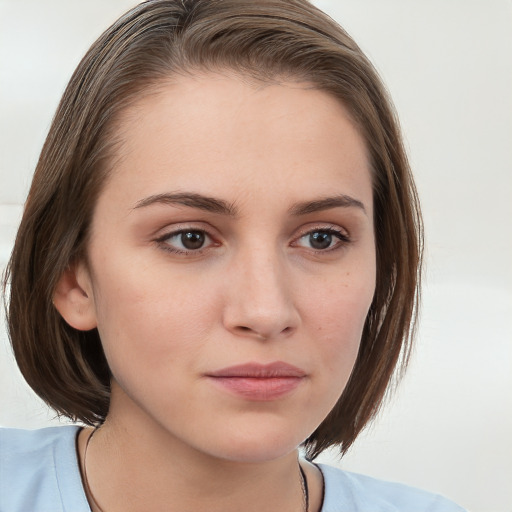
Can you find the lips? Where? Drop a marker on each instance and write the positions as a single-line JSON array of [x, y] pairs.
[[259, 382]]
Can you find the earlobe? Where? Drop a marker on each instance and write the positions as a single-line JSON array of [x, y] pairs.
[[73, 298]]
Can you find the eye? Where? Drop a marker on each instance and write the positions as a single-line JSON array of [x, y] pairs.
[[186, 241], [322, 239]]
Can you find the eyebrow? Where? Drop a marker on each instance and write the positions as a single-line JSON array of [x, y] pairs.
[[326, 203], [192, 200], [219, 206]]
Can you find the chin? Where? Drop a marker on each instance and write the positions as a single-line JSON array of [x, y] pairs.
[[255, 447], [255, 452]]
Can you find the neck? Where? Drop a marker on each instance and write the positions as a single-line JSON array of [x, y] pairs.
[[143, 467]]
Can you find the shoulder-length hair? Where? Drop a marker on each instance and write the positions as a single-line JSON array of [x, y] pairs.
[[269, 40]]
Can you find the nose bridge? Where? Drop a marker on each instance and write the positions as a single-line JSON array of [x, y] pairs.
[[261, 302], [264, 275]]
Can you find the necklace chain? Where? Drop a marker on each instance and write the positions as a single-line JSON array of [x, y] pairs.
[[305, 490], [303, 480], [86, 480]]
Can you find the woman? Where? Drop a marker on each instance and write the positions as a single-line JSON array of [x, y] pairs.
[[218, 263]]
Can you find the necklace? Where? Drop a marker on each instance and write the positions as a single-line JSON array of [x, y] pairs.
[[86, 480], [303, 479], [305, 490]]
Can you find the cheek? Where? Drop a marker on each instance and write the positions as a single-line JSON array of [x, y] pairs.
[[343, 303], [147, 315], [337, 319]]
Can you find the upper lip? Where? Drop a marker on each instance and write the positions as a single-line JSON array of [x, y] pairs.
[[262, 371]]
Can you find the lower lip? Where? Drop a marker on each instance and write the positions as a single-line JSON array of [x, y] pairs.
[[259, 388]]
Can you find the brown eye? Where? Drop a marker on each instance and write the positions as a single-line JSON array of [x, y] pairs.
[[186, 241], [192, 240]]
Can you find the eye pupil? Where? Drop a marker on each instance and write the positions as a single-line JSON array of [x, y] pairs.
[[192, 239], [320, 239]]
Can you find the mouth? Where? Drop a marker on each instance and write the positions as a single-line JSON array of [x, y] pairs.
[[259, 382]]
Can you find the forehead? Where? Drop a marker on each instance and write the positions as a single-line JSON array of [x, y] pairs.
[[213, 133]]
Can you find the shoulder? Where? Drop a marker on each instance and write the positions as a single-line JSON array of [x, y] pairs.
[[39, 470], [14, 439], [360, 493]]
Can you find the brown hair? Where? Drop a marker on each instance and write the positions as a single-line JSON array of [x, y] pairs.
[[269, 40]]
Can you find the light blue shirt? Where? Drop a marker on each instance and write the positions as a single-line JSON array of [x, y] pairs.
[[39, 472]]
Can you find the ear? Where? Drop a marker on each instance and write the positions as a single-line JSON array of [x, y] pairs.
[[73, 297]]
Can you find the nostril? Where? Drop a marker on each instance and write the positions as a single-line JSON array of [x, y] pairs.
[[255, 332], [244, 330]]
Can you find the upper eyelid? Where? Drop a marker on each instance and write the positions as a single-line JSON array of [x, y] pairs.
[[342, 237], [213, 233], [168, 231], [177, 232], [325, 227]]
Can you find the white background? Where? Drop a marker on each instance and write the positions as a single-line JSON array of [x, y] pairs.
[[448, 65]]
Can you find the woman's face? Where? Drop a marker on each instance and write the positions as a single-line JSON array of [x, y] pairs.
[[232, 263]]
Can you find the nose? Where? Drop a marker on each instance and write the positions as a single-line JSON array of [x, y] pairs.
[[260, 301]]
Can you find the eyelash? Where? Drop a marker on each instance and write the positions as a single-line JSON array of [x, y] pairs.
[[163, 241], [343, 238]]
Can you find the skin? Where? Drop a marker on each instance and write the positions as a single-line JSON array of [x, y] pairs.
[[258, 290]]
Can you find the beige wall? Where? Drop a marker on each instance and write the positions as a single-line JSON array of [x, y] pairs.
[[448, 64]]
